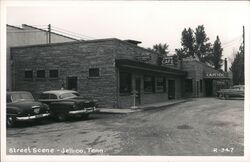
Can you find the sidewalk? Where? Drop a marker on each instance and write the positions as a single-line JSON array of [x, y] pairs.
[[142, 107]]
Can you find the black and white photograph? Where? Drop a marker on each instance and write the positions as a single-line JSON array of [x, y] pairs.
[[125, 81]]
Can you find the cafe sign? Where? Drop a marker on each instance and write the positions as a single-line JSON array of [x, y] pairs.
[[214, 75], [144, 57], [168, 60]]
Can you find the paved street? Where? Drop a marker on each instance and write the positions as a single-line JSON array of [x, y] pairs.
[[204, 126]]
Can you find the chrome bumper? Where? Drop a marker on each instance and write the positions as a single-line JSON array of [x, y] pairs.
[[87, 110], [32, 117]]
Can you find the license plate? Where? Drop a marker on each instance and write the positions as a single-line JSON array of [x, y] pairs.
[[36, 111]]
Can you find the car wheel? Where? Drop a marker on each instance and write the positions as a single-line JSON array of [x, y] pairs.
[[85, 116], [10, 121], [61, 117]]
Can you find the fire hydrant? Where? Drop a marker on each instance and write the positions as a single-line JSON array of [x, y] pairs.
[[134, 94]]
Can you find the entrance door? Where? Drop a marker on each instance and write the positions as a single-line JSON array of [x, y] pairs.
[[138, 89], [171, 89], [72, 83], [209, 87]]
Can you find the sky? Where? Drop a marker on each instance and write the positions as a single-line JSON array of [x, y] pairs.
[[150, 22]]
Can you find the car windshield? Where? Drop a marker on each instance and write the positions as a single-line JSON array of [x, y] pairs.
[[68, 95], [21, 97]]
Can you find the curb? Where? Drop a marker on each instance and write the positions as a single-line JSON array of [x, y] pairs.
[[145, 108], [162, 106]]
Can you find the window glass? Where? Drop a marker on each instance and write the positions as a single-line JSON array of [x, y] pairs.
[[44, 96], [8, 99], [40, 73], [125, 82], [53, 73], [94, 72], [21, 97], [28, 74], [67, 95], [188, 85], [160, 84], [149, 84], [52, 96]]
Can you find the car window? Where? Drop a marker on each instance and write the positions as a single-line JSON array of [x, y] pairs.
[[8, 99], [21, 96], [67, 95], [44, 96], [52, 96]]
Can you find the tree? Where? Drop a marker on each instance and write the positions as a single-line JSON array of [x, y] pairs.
[[202, 48], [216, 60], [195, 44], [237, 67], [161, 50], [187, 42]]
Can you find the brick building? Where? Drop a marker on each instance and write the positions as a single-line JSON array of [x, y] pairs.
[[202, 80], [108, 70], [29, 35]]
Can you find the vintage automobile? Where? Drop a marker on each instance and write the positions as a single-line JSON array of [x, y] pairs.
[[21, 106], [234, 91], [65, 103]]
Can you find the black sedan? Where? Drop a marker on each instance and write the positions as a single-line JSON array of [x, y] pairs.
[[65, 103], [21, 106]]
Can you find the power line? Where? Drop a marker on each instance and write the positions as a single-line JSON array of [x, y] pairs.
[[239, 41], [229, 42], [73, 32], [43, 29], [72, 35]]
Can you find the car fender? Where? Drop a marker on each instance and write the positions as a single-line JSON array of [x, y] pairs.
[[13, 111], [62, 106]]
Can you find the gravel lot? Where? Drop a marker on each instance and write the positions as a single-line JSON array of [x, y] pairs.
[[201, 127]]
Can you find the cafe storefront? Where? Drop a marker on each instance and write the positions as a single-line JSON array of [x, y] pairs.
[[141, 83]]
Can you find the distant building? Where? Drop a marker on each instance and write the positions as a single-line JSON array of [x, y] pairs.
[[111, 70], [29, 35]]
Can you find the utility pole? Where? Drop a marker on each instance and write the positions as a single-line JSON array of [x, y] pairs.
[[49, 32]]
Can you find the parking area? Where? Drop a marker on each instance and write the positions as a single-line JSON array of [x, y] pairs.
[[200, 127]]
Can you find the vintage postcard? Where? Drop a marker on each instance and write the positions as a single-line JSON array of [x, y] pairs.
[[125, 81]]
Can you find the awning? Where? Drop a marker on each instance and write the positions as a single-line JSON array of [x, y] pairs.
[[125, 63]]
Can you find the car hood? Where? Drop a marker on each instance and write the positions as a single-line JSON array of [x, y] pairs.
[[26, 105]]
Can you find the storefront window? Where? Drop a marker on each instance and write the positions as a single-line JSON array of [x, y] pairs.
[[160, 84], [189, 85], [125, 82], [149, 84]]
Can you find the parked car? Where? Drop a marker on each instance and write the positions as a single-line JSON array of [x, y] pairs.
[[65, 103], [21, 106], [234, 91]]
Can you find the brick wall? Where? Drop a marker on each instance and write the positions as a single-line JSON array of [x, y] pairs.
[[125, 50], [27, 35], [72, 59]]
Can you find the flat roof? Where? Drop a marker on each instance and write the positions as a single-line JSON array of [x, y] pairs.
[[83, 42]]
